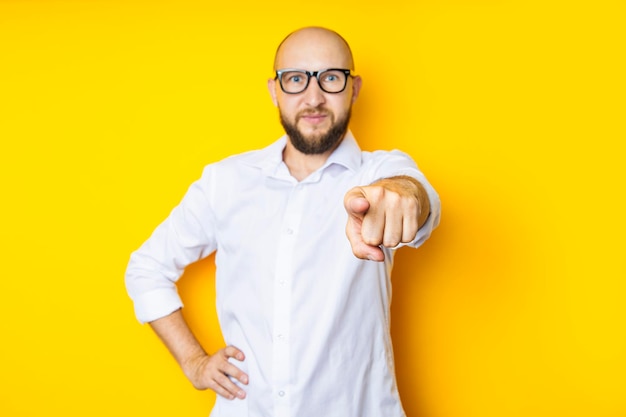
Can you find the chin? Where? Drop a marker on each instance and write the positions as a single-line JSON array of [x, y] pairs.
[[313, 132]]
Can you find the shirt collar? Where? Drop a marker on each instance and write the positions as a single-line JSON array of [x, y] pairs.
[[347, 154], [270, 159]]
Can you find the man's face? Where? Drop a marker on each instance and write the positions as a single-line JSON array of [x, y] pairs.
[[314, 120], [315, 130]]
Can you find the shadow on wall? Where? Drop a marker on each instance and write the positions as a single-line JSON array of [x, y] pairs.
[[414, 271], [455, 304]]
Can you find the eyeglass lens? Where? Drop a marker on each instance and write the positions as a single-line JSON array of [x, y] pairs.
[[331, 81]]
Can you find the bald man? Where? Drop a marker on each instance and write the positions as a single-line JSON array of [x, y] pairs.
[[304, 232]]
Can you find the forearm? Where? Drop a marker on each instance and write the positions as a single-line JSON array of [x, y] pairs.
[[175, 333]]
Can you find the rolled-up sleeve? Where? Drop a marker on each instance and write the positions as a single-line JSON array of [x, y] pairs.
[[185, 236]]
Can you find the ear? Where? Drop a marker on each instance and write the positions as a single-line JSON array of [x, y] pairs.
[[356, 87], [271, 86]]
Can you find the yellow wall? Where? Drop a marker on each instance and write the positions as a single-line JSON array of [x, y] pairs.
[[514, 109]]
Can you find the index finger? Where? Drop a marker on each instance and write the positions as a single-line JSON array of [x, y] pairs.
[[356, 203]]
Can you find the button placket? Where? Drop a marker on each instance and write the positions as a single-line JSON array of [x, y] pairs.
[[282, 299]]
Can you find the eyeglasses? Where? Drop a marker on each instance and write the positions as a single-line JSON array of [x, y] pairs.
[[294, 81]]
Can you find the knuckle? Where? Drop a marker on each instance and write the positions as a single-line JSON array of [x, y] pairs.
[[394, 198], [371, 240], [376, 193], [412, 205], [223, 381], [391, 241]]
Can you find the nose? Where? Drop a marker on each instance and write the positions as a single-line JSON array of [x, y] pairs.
[[313, 95]]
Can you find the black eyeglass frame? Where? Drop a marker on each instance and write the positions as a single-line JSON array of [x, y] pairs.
[[310, 74]]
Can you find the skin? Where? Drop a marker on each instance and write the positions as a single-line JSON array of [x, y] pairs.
[[313, 111], [385, 213]]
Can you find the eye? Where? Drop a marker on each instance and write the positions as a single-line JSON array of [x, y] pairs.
[[332, 77], [294, 77]]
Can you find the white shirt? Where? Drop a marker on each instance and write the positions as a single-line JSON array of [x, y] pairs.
[[311, 318]]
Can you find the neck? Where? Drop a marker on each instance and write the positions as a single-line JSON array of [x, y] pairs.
[[302, 165]]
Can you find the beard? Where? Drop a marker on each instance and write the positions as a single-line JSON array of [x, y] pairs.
[[318, 143]]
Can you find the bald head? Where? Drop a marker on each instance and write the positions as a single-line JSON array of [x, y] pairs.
[[313, 48]]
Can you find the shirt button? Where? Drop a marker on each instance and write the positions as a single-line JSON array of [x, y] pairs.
[[290, 231], [281, 393], [282, 282], [280, 337]]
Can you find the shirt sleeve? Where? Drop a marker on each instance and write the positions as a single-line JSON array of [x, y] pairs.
[[185, 236], [395, 163]]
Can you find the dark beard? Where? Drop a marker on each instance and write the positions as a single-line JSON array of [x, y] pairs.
[[323, 144]]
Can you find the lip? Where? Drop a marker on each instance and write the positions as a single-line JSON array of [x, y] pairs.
[[314, 118]]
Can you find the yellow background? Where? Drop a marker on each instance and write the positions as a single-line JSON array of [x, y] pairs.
[[514, 109]]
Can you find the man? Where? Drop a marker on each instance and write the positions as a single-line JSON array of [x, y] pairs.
[[303, 309]]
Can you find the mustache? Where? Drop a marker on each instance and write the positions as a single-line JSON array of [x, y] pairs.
[[318, 111]]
